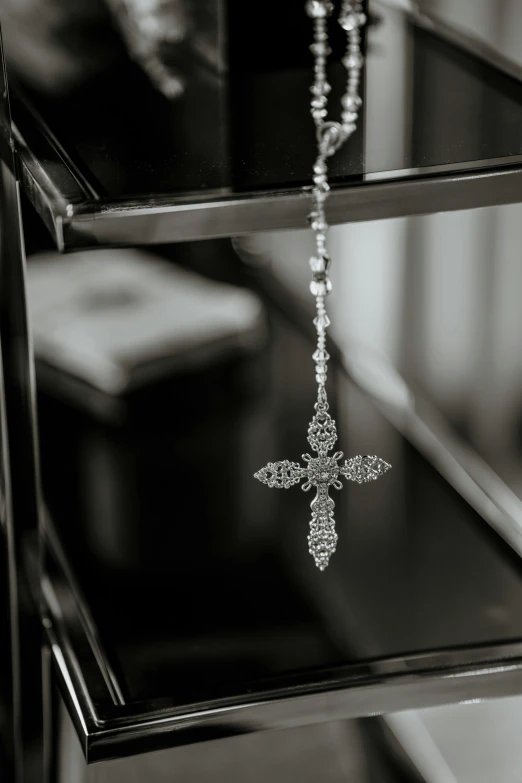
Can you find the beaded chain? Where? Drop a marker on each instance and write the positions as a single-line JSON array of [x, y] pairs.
[[330, 137], [323, 471]]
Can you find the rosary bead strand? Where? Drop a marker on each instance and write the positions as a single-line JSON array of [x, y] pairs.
[[323, 471], [331, 135]]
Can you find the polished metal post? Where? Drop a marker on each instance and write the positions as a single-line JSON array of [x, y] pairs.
[[21, 674]]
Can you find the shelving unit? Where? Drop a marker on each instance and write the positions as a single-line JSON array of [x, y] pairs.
[[119, 165]]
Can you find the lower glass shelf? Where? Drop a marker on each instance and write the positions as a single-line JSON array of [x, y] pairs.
[[181, 603]]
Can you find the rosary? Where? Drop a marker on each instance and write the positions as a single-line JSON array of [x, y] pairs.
[[323, 471]]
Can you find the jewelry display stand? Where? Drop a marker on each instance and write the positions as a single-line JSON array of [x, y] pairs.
[[254, 638]]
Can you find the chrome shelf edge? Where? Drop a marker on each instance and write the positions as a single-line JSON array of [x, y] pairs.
[[115, 733], [94, 225]]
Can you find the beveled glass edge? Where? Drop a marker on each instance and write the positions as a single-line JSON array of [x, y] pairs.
[[470, 165], [157, 222], [122, 731], [75, 597]]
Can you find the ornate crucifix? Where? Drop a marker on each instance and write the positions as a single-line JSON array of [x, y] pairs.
[[322, 472]]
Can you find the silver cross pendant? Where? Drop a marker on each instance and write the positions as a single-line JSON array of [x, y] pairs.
[[322, 472]]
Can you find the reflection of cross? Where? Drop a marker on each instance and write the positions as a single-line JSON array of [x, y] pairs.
[[322, 472]]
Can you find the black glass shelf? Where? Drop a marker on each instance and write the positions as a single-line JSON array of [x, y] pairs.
[[182, 603], [117, 163]]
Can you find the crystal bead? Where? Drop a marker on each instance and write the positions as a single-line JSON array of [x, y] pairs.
[[319, 225], [321, 322], [351, 102], [319, 9], [351, 21], [320, 377], [320, 48], [321, 88], [348, 21], [318, 288], [320, 356], [321, 183], [349, 116], [317, 264], [354, 60], [319, 102], [320, 167], [319, 114]]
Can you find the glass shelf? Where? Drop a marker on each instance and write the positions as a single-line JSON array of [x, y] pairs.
[[117, 163], [181, 601]]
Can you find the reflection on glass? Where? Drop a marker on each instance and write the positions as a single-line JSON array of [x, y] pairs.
[[428, 105], [199, 579]]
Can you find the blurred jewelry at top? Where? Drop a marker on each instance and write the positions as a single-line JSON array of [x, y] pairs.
[[73, 42]]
